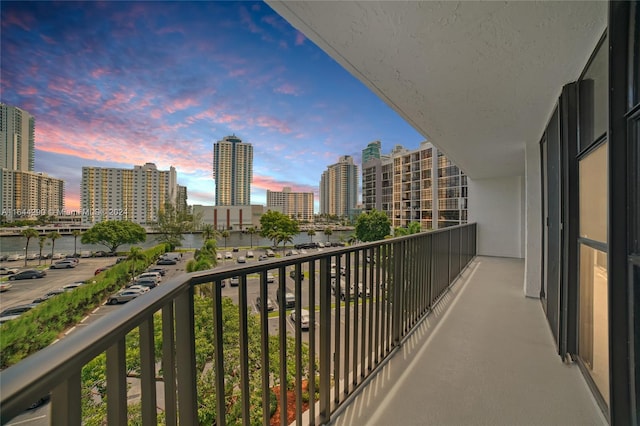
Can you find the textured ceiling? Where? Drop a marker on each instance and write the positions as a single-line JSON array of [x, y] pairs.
[[478, 79]]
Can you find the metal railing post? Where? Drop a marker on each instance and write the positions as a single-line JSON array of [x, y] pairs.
[[324, 355]]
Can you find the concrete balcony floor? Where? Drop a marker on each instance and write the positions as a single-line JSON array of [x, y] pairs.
[[485, 356]]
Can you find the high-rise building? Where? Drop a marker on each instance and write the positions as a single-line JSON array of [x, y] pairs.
[[17, 138], [339, 188], [181, 199], [27, 195], [421, 185], [232, 171], [296, 205], [371, 151], [136, 194]]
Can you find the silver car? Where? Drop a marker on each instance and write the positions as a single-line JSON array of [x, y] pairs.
[[123, 296]]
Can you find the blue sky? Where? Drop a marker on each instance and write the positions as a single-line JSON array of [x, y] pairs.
[[117, 84]]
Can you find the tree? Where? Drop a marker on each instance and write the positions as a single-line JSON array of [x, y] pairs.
[[277, 227], [113, 233], [28, 234], [252, 230], [328, 231], [412, 228], [53, 236], [209, 232], [311, 233], [136, 254], [372, 226], [76, 233], [41, 240], [172, 224], [225, 234]]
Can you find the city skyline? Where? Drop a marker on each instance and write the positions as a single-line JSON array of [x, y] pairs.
[[116, 84]]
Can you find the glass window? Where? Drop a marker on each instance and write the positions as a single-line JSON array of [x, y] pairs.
[[594, 195], [594, 99], [593, 347]]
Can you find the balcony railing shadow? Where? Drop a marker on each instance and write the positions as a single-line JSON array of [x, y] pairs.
[[365, 301]]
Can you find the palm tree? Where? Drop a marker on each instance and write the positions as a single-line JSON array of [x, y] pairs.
[[225, 234], [53, 236], [251, 231], [328, 231], [209, 232], [41, 240], [311, 233], [135, 254], [28, 234], [76, 233]]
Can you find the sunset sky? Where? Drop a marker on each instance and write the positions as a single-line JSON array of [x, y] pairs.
[[117, 84]]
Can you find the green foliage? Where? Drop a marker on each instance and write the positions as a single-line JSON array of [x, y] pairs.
[[40, 326], [372, 226], [225, 234], [252, 230], [311, 233], [328, 231], [76, 233], [413, 228], [114, 233], [136, 256], [172, 224], [209, 232], [278, 227]]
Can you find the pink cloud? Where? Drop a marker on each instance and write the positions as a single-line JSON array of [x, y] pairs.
[[99, 72], [272, 124], [287, 89], [28, 91], [245, 18], [23, 21], [267, 182], [300, 38], [181, 104], [47, 39]]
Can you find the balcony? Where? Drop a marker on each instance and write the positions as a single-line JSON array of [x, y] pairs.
[[435, 335]]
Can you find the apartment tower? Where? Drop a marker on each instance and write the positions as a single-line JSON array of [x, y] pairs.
[[296, 205], [339, 188], [136, 194], [17, 138], [232, 171]]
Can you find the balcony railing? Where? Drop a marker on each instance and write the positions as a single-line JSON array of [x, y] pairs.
[[362, 301]]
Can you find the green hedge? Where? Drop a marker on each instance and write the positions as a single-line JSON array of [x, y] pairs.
[[39, 327]]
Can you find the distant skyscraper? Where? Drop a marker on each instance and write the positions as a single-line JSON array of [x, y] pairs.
[[339, 188], [125, 194], [232, 171], [27, 195], [371, 151], [297, 205], [17, 138]]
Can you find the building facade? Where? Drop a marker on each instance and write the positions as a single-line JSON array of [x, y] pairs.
[[232, 171], [17, 138], [136, 194], [229, 218], [372, 151], [296, 205], [339, 188], [421, 186], [27, 195]]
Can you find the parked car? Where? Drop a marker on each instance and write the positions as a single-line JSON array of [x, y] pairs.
[[33, 256], [292, 253], [5, 287], [270, 253], [234, 282], [289, 298], [17, 310], [85, 254], [8, 271], [15, 257], [48, 295], [64, 264], [147, 282], [58, 256], [262, 257], [228, 255], [166, 262], [270, 305], [270, 278], [236, 249], [123, 296], [73, 286], [162, 271], [27, 274], [140, 288], [156, 275], [303, 318], [218, 256], [172, 255], [101, 269], [242, 259], [364, 290], [249, 255]]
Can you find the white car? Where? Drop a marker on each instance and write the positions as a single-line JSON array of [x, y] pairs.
[[156, 275], [228, 255], [63, 264], [8, 271], [219, 256], [5, 287], [140, 288], [249, 255], [304, 318]]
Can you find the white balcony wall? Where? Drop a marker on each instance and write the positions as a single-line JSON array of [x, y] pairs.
[[497, 206]]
